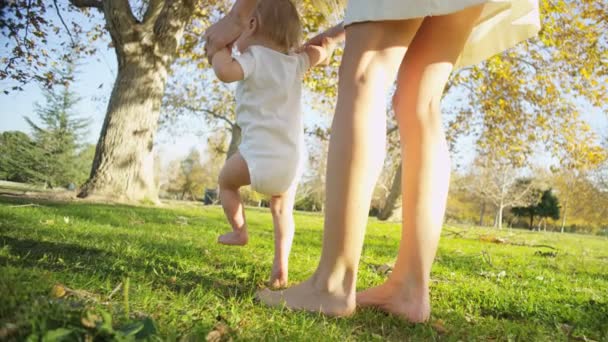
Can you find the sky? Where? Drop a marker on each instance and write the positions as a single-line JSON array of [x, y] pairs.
[[94, 83]]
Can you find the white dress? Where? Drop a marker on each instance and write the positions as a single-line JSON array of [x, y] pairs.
[[503, 23], [269, 113]]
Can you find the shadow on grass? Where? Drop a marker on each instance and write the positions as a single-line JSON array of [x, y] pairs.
[[93, 262], [107, 214]]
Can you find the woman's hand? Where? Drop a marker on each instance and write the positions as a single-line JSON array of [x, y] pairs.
[[228, 29], [333, 36], [326, 40], [222, 34]]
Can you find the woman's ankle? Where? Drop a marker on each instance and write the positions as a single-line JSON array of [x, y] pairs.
[[340, 282]]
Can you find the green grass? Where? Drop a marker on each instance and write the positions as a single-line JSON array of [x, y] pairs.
[[182, 285]]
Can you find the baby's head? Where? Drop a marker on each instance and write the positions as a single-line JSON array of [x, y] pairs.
[[274, 21]]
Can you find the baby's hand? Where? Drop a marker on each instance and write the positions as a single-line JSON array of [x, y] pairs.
[[210, 55]]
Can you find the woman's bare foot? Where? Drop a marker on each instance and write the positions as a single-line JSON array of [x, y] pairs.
[[278, 276], [234, 238], [306, 296], [413, 307]]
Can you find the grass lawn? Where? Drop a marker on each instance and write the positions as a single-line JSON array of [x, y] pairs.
[[80, 271]]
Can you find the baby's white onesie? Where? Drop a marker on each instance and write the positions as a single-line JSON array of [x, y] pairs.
[[268, 110]]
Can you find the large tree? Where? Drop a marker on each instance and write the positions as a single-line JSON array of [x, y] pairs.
[[145, 48], [146, 36]]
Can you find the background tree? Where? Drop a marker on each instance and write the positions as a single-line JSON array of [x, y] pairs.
[[208, 101], [547, 207], [501, 183], [311, 191], [58, 133], [19, 158], [187, 180]]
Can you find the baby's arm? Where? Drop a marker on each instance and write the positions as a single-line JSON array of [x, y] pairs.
[[226, 68]]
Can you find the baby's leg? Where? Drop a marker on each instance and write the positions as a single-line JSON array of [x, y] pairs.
[[284, 228], [234, 174]]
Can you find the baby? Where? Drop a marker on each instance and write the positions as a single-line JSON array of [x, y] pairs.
[[268, 110]]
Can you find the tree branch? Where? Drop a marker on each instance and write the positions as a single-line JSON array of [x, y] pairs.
[[87, 3], [154, 9], [210, 112], [169, 25], [63, 22]]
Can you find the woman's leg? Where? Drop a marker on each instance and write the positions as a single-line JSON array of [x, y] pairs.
[[234, 175], [281, 208], [426, 163], [372, 56]]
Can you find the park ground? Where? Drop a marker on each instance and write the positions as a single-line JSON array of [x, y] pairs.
[[83, 271]]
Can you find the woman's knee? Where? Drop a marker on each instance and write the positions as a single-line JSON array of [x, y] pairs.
[[417, 111], [277, 207]]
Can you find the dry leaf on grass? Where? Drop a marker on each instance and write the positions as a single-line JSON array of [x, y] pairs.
[[58, 291], [491, 238], [90, 320], [219, 332], [8, 330], [439, 326]]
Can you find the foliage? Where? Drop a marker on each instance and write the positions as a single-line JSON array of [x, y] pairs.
[[57, 132], [37, 37], [502, 185], [528, 97], [19, 157], [191, 287], [187, 177], [547, 207]]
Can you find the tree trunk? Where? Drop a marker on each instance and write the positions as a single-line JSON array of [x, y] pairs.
[[391, 210], [531, 222], [235, 140], [482, 211], [500, 217], [564, 216], [123, 167]]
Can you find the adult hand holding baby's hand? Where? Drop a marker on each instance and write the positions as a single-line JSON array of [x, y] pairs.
[[223, 34], [328, 40]]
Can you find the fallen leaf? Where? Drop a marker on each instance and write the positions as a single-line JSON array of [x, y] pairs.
[[491, 238], [220, 330], [385, 269], [439, 326], [566, 328], [8, 330], [90, 320], [214, 336], [58, 291]]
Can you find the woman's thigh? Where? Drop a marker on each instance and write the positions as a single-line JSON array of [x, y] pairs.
[[431, 56]]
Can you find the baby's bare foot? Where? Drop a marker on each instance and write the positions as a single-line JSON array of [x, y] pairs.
[[278, 276], [234, 238], [306, 296], [415, 308]]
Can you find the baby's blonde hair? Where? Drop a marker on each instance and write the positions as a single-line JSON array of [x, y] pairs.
[[279, 21]]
